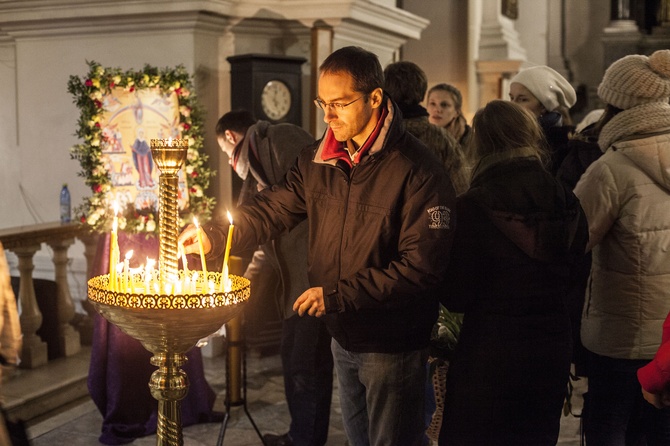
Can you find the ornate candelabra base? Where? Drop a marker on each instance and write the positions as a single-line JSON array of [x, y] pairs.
[[168, 326]]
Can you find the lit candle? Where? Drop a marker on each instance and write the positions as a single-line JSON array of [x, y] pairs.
[[113, 248], [202, 250], [184, 262], [118, 276], [126, 271], [194, 283], [226, 257], [148, 273]]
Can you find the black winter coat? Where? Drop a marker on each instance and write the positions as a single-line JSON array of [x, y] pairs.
[[518, 233], [379, 236]]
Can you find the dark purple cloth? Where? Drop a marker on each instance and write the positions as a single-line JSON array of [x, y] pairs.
[[119, 373]]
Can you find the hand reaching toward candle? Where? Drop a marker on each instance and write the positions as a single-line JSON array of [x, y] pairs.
[[189, 240], [311, 302]]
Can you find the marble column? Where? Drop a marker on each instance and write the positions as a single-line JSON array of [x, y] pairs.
[[34, 352], [622, 36], [68, 338]]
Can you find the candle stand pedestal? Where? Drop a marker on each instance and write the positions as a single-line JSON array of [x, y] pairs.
[[168, 326], [166, 320]]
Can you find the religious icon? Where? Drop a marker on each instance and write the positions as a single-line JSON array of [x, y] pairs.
[[132, 120]]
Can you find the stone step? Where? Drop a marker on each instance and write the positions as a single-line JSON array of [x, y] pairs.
[[35, 394]]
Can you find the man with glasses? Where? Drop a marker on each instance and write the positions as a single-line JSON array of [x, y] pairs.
[[378, 206]]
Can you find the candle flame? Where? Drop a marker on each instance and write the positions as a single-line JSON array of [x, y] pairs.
[[150, 262], [170, 142], [129, 254], [230, 217], [195, 222]]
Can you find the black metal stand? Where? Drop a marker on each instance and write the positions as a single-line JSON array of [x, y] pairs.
[[241, 344]]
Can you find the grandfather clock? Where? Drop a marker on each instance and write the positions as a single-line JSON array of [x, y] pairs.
[[270, 86]]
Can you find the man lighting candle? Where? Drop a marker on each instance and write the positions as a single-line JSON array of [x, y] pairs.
[[378, 206]]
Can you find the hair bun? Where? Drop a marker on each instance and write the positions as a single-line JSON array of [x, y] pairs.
[[660, 62]]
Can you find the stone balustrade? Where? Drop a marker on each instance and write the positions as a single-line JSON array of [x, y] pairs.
[[24, 242]]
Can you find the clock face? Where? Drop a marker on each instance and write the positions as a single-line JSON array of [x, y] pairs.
[[276, 99]]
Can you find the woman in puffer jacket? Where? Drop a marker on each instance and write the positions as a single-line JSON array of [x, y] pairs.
[[626, 197]]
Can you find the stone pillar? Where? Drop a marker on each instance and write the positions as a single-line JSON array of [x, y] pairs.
[[622, 36], [34, 352], [660, 35], [500, 53], [493, 77], [68, 338]]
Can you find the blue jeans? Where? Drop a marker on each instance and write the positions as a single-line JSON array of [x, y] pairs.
[[615, 412], [382, 396], [308, 378]]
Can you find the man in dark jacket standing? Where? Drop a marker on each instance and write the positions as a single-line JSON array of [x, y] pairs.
[[378, 206], [261, 154]]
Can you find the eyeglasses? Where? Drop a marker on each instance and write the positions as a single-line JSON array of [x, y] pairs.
[[336, 105]]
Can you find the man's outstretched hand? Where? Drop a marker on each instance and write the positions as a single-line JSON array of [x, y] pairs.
[[189, 240]]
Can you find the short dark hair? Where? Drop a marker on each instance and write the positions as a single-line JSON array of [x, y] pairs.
[[236, 120], [405, 82], [362, 65]]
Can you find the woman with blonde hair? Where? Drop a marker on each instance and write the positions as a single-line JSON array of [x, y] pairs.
[[518, 233], [444, 104]]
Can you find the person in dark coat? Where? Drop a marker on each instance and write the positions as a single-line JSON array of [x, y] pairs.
[[518, 232], [261, 153], [379, 209]]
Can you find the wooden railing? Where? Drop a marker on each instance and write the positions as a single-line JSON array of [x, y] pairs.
[[25, 241]]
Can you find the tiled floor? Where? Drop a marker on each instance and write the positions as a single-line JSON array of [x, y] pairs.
[[80, 425]]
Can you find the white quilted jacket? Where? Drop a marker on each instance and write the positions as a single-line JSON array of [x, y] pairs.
[[626, 197]]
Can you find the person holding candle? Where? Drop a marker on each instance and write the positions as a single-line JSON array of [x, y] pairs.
[[261, 154], [378, 206]]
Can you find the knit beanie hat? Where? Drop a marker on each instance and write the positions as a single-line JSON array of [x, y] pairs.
[[548, 86], [636, 79]]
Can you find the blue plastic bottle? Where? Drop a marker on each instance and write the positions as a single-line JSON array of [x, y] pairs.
[[65, 209]]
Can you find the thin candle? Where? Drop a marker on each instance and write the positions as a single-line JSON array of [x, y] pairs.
[[113, 248], [148, 274], [126, 271], [226, 258], [202, 250], [184, 262]]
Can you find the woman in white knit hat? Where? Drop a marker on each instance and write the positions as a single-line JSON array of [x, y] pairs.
[[626, 197], [549, 96]]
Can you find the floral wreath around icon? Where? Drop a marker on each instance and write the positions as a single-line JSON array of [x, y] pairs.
[[88, 94]]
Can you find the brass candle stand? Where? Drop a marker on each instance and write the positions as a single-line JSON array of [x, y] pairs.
[[168, 323]]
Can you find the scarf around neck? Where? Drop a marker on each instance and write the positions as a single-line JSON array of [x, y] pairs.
[[640, 119], [334, 149]]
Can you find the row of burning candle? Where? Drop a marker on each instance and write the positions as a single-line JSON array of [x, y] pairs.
[[146, 280]]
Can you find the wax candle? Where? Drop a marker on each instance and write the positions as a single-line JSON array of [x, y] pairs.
[[118, 277], [202, 250], [126, 271], [148, 274], [113, 248], [184, 262], [224, 285]]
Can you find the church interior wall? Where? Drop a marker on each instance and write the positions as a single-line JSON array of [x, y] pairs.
[[38, 117]]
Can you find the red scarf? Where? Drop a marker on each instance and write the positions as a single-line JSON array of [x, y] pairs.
[[334, 149]]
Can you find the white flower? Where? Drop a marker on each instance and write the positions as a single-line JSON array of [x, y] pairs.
[[151, 225]]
